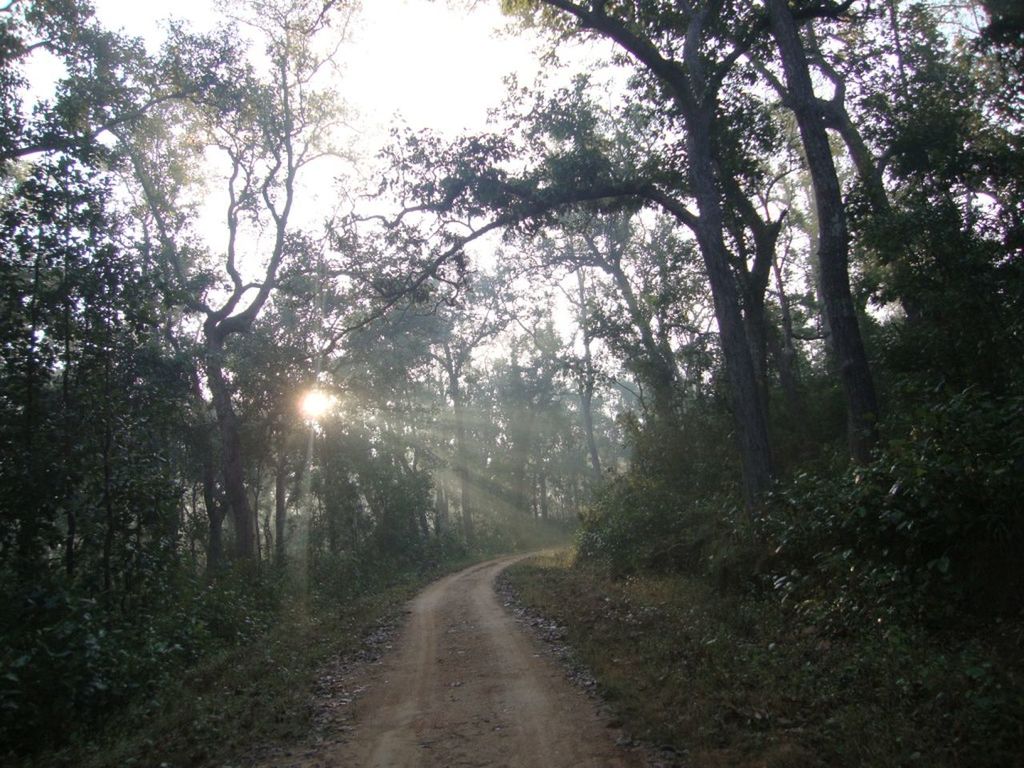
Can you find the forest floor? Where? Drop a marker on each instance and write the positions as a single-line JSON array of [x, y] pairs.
[[719, 679], [463, 685]]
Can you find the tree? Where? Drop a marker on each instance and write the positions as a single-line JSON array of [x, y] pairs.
[[833, 237], [689, 68], [267, 131], [460, 334], [107, 84], [587, 375], [79, 325]]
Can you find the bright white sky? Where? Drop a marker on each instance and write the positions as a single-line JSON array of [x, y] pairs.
[[435, 62]]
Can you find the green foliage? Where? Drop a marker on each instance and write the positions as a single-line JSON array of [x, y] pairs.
[[517, 533], [108, 477], [240, 698], [342, 577], [931, 527], [78, 660], [636, 523], [676, 505]]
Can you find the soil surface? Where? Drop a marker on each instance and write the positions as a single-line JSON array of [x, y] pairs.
[[464, 685]]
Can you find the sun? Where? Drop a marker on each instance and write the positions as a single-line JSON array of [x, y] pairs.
[[315, 404]]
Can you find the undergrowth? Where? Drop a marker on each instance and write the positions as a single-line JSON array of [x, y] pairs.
[[861, 615], [740, 680], [195, 670], [254, 692]]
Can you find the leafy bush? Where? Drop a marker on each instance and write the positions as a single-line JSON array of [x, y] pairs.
[[74, 659], [675, 509], [686, 666], [497, 535], [933, 523], [342, 576], [637, 523]]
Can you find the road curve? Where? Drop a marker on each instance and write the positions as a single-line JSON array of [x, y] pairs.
[[465, 686]]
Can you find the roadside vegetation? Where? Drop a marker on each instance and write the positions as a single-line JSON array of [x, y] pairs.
[[240, 700], [740, 679], [865, 607], [250, 652], [864, 614]]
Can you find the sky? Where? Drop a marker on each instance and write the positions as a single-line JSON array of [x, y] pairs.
[[434, 64], [437, 63]]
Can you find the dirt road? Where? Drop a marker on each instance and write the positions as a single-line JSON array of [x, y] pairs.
[[465, 686]]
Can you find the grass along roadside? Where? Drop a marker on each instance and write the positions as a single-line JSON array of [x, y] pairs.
[[250, 699], [738, 681]]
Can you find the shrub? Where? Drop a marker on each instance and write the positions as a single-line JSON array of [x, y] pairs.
[[71, 658], [934, 520], [637, 523]]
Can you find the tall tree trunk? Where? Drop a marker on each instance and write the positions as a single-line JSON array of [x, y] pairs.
[[542, 493], [256, 493], [587, 415], [833, 238], [747, 403], [214, 515], [280, 505], [108, 507], [193, 511], [587, 382], [65, 418], [27, 544], [462, 460], [333, 526], [755, 323], [693, 89], [268, 537], [231, 453], [785, 354], [754, 280], [424, 523], [211, 496], [440, 510]]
